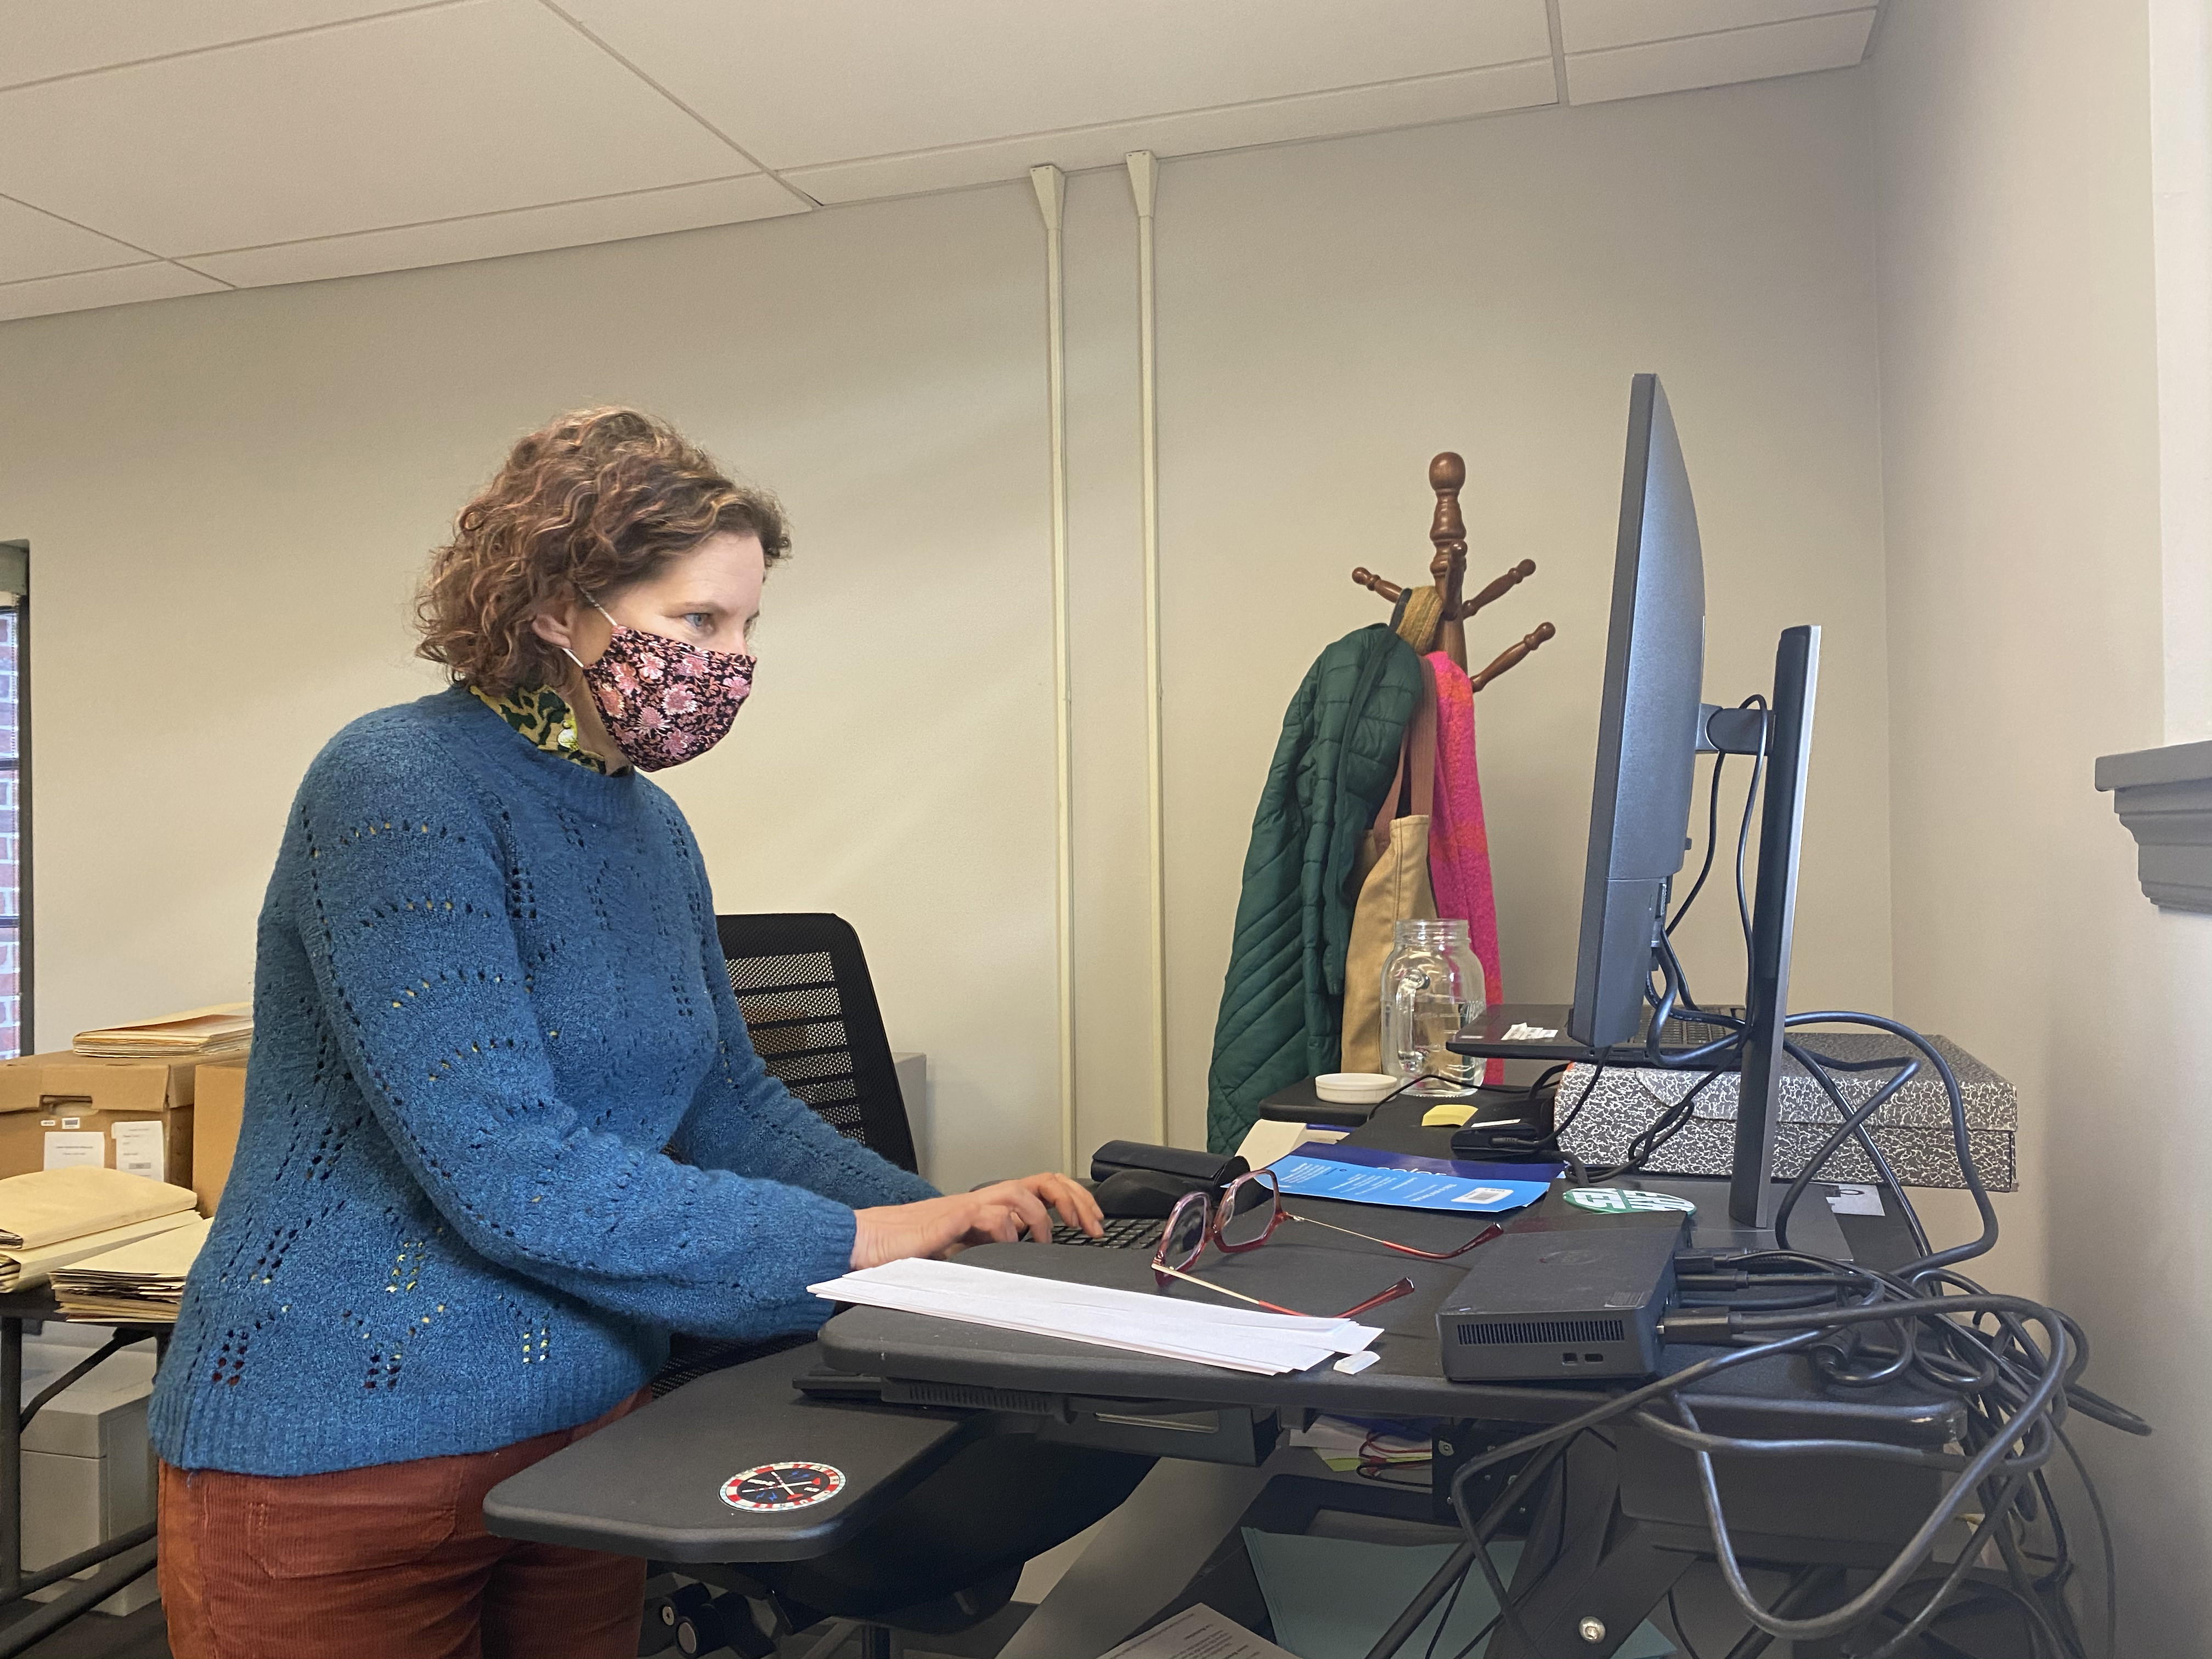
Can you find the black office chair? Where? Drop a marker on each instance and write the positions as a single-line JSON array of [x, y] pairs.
[[802, 983]]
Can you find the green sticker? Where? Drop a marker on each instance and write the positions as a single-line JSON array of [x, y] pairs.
[[1621, 1200]]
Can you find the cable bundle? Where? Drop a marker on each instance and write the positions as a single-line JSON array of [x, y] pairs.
[[2015, 1364]]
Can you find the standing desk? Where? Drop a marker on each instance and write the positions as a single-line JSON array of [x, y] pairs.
[[1626, 1511], [128, 1556]]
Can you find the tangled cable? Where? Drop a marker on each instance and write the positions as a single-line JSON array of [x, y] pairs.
[[2013, 1364]]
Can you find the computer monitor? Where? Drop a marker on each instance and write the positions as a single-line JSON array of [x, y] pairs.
[[1648, 727], [1652, 724]]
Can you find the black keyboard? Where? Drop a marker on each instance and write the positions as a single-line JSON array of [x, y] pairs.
[[1122, 1233]]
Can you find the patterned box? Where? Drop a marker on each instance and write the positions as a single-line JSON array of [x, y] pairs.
[[1913, 1131]]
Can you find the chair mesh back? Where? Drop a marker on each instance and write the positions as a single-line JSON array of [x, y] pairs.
[[803, 987]]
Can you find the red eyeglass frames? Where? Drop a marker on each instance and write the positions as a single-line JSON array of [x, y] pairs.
[[1246, 1216]]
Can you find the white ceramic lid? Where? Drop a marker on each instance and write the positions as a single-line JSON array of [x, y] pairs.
[[1354, 1088]]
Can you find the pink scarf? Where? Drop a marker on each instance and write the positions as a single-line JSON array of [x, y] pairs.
[[1459, 845]]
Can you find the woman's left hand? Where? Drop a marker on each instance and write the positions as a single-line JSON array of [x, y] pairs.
[[1067, 1196], [999, 1214]]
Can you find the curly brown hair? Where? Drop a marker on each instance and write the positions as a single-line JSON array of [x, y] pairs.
[[586, 505]]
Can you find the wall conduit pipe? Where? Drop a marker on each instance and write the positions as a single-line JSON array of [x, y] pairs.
[[1051, 187], [1144, 187]]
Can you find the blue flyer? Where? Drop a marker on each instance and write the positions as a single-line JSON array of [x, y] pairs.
[[1430, 1183], [1375, 1157]]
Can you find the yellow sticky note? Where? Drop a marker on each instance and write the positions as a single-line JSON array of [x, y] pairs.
[[1446, 1117]]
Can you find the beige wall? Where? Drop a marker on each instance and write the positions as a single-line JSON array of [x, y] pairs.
[[1333, 314], [227, 498], [2020, 370]]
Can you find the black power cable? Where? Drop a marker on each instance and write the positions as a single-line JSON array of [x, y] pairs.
[[1860, 1328], [1661, 1129], [1712, 844], [2013, 1364], [1713, 821], [1674, 1618], [1853, 1124], [1960, 1145], [1743, 831], [2105, 1535]]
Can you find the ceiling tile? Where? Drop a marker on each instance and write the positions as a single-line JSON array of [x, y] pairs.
[[1713, 60], [469, 108], [44, 38], [35, 244], [1366, 109], [156, 279], [801, 82], [526, 230], [1596, 25]]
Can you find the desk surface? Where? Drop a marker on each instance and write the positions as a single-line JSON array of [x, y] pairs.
[[1320, 1274]]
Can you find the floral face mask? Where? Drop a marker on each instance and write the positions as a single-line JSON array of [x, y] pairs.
[[663, 702]]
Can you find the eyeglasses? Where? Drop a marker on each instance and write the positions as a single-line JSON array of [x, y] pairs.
[[1246, 1216]]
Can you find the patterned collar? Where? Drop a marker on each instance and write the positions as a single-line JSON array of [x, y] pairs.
[[543, 715]]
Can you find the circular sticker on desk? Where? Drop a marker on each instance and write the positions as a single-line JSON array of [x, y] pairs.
[[789, 1485], [1623, 1201]]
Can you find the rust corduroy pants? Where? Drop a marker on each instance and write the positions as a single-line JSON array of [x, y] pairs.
[[390, 1562]]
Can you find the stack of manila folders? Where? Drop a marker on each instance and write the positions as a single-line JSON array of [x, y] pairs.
[[1236, 1338], [213, 1033], [116, 1247]]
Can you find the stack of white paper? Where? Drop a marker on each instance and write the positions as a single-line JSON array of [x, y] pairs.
[[1238, 1339]]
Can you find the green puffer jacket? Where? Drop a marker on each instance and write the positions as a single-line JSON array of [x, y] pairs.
[[1282, 1001]]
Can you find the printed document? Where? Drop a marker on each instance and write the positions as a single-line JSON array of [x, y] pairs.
[[1238, 1338]]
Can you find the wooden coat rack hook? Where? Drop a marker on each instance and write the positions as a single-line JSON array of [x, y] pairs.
[[1435, 618]]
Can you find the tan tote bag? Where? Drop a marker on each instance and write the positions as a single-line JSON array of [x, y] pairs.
[[1393, 872]]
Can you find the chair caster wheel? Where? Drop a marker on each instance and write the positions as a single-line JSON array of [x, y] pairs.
[[724, 1623], [663, 1614]]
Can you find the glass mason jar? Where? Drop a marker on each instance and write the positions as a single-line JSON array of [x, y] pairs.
[[1432, 987]]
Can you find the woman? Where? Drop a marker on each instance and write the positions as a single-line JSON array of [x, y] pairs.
[[504, 1129]]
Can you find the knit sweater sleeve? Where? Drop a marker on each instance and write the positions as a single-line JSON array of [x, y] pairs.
[[402, 911], [746, 1121]]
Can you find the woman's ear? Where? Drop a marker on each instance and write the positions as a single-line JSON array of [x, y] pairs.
[[555, 624]]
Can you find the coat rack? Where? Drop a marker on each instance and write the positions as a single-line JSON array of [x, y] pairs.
[[1435, 618]]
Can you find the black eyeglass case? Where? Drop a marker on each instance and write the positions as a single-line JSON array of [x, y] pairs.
[[1201, 1170]]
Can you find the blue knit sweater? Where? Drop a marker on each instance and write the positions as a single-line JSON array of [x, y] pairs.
[[488, 995]]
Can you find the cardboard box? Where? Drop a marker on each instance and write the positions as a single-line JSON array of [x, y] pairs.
[[63, 1108], [217, 1111]]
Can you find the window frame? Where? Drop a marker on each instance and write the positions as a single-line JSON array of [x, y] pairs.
[[16, 587]]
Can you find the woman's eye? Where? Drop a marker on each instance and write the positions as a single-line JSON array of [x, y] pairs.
[[702, 620]]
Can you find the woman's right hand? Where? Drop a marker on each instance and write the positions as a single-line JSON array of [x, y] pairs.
[[1001, 1213]]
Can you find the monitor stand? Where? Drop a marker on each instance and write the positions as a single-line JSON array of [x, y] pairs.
[[1539, 1031], [1813, 1225]]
